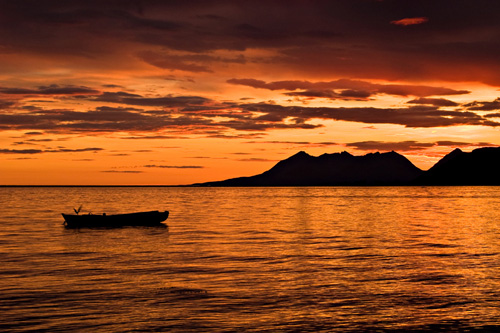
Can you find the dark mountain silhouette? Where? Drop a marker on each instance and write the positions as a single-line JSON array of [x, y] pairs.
[[303, 169], [479, 167]]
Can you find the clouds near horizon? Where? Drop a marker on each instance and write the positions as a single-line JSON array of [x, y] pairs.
[[407, 146], [137, 113], [346, 86]]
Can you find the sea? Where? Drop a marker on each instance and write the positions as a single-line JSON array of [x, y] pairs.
[[264, 259]]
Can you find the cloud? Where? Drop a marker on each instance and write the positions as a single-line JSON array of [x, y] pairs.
[[349, 88], [255, 159], [66, 150], [433, 101], [165, 101], [173, 166], [122, 171], [411, 145], [21, 151], [282, 142], [354, 41], [356, 94], [173, 62], [32, 141], [190, 115], [410, 21], [5, 104], [418, 116], [50, 90], [186, 62], [34, 133], [112, 86], [263, 125], [221, 135], [116, 120], [389, 146], [464, 144], [153, 137], [484, 106], [40, 151], [181, 115], [297, 143], [343, 95]]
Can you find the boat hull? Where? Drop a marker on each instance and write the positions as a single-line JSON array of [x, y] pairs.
[[152, 218]]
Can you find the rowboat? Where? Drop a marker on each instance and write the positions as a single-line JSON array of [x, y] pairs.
[[152, 218]]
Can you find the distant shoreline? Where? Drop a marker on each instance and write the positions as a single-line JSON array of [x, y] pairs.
[[241, 186], [94, 186]]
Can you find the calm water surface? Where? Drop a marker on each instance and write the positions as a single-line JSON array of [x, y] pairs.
[[253, 260]]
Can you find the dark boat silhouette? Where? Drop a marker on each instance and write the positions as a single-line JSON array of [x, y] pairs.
[[152, 218]]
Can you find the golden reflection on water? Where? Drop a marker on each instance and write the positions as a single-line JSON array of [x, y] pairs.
[[280, 259]]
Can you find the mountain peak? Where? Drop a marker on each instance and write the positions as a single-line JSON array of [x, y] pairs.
[[301, 154], [449, 157], [479, 167]]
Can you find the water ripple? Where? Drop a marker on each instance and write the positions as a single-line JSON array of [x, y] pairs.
[[288, 260]]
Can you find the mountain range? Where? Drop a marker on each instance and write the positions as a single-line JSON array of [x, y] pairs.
[[479, 167]]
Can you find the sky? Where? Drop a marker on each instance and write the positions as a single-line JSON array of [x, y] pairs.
[[181, 92]]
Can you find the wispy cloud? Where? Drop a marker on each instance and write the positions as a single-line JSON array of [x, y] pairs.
[[410, 21], [411, 145], [433, 101], [173, 166], [41, 151], [348, 88], [53, 89], [122, 171]]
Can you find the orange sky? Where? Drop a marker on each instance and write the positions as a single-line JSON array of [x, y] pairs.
[[169, 93]]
